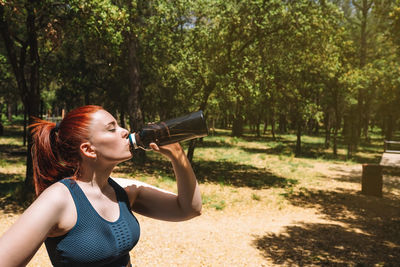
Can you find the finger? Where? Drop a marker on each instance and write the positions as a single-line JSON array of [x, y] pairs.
[[154, 146]]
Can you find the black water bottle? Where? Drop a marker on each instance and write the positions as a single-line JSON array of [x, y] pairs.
[[171, 131]]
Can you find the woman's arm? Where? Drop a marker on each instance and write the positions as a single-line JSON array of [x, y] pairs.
[[20, 243], [160, 204]]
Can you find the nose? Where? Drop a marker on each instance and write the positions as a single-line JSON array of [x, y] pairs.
[[125, 133]]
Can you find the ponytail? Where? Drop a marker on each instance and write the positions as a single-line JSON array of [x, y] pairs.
[[55, 150], [47, 166]]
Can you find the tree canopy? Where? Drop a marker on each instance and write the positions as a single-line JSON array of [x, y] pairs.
[[292, 65]]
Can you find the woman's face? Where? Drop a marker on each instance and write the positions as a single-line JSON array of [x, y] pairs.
[[109, 140]]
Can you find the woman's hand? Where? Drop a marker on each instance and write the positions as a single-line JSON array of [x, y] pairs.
[[171, 151], [166, 206]]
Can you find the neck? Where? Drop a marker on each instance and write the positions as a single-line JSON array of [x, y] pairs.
[[95, 176]]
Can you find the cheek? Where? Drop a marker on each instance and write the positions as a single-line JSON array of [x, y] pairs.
[[111, 146], [106, 143]]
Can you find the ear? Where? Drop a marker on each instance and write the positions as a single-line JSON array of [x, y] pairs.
[[88, 150]]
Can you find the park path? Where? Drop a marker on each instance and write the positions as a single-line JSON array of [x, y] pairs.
[[216, 238], [328, 223]]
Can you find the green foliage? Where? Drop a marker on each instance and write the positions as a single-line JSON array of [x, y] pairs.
[[294, 64]]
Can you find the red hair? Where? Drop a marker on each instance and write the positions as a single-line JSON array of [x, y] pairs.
[[55, 150]]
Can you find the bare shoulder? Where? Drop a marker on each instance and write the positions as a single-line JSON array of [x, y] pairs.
[[57, 193], [58, 206], [55, 199], [25, 236]]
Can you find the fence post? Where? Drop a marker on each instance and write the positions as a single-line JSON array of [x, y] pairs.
[[371, 180]]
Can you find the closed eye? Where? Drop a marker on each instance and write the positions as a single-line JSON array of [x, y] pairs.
[[111, 126]]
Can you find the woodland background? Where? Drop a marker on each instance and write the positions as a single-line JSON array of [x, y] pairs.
[[302, 67]]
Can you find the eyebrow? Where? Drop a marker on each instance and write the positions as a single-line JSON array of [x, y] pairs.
[[111, 124]]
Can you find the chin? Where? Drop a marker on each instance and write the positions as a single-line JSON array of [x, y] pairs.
[[121, 159], [128, 157]]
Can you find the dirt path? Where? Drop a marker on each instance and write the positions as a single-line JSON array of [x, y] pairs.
[[217, 238], [329, 223]]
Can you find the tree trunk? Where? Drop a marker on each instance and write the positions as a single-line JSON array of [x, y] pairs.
[[192, 146], [336, 129], [237, 126], [335, 132], [1, 123], [351, 133], [364, 9], [327, 129], [298, 139], [273, 124], [265, 127], [367, 116], [30, 94], [33, 100], [122, 117], [337, 118], [389, 127], [9, 112], [282, 123], [207, 91], [24, 134], [136, 121]]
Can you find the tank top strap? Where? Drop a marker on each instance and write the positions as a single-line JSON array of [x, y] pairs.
[[94, 241], [80, 200], [122, 196]]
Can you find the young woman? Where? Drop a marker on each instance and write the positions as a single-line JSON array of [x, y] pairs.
[[81, 213]]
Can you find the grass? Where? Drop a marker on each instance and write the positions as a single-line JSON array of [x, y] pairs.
[[312, 214], [222, 163]]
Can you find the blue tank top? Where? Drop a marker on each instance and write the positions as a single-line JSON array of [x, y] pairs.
[[94, 241]]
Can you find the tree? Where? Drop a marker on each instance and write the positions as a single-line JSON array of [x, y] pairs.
[[308, 60], [23, 55], [7, 89]]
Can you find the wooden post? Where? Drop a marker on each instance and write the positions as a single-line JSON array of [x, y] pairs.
[[372, 180]]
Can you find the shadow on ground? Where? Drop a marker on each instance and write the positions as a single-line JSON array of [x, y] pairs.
[[12, 154], [224, 172], [365, 231], [12, 189], [314, 151], [390, 179], [240, 175], [368, 153], [9, 188]]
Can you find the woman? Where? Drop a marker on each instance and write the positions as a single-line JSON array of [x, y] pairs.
[[84, 216]]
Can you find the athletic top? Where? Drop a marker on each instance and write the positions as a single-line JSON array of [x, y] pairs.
[[94, 241]]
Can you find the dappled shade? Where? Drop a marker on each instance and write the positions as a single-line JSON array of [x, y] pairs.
[[327, 244], [221, 172], [364, 230], [239, 175]]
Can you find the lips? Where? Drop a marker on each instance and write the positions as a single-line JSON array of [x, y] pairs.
[[128, 144]]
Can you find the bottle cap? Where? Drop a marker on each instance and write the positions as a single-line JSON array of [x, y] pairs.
[[132, 140]]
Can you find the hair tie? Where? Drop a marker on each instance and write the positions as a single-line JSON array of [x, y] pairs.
[[57, 127], [54, 133]]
